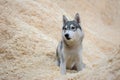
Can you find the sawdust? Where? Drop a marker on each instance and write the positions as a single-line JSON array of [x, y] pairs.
[[31, 29]]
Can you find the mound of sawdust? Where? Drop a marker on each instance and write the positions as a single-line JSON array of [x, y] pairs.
[[31, 29]]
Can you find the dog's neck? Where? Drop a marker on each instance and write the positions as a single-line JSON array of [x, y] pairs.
[[72, 44]]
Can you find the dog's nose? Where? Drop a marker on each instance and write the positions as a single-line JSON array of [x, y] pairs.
[[67, 36]]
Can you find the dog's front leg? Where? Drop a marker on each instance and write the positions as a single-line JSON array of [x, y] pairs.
[[80, 64], [62, 65], [63, 68]]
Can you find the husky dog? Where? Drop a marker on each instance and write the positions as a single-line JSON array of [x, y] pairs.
[[69, 50]]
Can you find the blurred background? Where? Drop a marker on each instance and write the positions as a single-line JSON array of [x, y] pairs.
[[31, 29]]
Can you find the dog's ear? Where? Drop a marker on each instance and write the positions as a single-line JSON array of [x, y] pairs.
[[77, 18], [64, 19]]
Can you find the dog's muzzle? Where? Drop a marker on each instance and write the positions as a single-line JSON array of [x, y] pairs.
[[67, 36]]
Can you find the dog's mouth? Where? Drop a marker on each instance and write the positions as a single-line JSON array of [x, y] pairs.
[[68, 38]]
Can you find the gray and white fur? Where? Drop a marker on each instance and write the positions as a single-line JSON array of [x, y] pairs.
[[69, 50]]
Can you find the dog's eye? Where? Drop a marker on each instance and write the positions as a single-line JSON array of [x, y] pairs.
[[64, 28], [73, 27]]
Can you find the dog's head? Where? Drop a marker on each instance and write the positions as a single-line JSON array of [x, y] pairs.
[[72, 30]]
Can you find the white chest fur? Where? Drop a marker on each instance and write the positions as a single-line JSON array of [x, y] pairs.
[[71, 56]]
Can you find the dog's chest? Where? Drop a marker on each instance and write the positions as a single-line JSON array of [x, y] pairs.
[[71, 56]]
